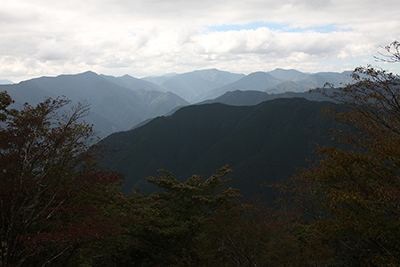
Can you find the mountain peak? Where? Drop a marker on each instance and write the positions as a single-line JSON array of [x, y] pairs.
[[89, 72], [257, 73], [86, 74], [288, 74]]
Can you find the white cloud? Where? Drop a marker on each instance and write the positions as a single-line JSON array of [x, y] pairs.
[[145, 37]]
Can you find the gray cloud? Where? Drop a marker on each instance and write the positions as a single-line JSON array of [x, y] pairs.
[[146, 37]]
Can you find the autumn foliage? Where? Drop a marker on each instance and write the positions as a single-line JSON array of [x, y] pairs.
[[353, 195], [50, 190]]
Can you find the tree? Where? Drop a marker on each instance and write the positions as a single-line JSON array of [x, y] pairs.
[[51, 193], [253, 234], [172, 224], [358, 190]]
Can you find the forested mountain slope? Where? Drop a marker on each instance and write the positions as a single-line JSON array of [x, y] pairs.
[[261, 143]]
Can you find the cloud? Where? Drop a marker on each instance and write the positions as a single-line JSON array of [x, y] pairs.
[[147, 37]]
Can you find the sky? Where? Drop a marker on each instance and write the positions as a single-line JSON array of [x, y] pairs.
[[155, 37]]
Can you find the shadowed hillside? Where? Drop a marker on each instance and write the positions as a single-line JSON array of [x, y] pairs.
[[262, 143]]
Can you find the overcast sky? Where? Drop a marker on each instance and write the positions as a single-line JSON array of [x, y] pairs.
[[154, 37]]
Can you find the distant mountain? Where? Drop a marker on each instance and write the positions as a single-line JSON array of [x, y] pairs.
[[114, 107], [219, 77], [188, 85], [312, 80], [240, 98], [262, 143], [279, 81], [200, 85], [254, 81], [320, 78], [295, 82], [251, 97], [130, 82], [286, 86], [159, 79], [191, 84], [6, 82], [288, 75], [120, 103]]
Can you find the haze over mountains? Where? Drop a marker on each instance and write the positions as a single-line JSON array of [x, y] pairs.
[[114, 107], [120, 103], [203, 85], [192, 84]]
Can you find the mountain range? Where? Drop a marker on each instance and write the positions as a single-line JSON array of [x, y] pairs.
[[279, 81], [192, 84], [122, 103], [201, 85], [117, 104], [249, 98], [264, 125]]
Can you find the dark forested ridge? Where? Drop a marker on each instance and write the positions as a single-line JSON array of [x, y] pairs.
[[262, 143]]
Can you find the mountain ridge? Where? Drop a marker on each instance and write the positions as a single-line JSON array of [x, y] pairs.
[[199, 85], [121, 103], [261, 143]]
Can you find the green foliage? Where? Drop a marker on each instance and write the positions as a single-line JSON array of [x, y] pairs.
[[197, 223], [171, 227], [5, 101], [194, 223]]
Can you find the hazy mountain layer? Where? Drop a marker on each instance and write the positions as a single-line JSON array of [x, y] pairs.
[[190, 85], [219, 77], [254, 81], [159, 79], [249, 98], [136, 84], [114, 107], [120, 103], [288, 75], [286, 86], [278, 81], [262, 143]]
